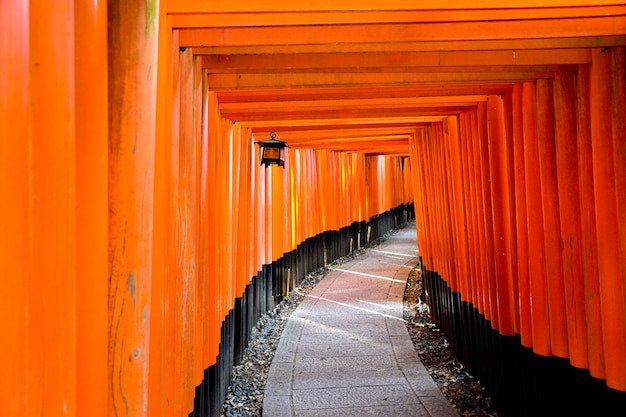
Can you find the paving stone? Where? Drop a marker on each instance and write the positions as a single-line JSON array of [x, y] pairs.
[[344, 349], [345, 364], [307, 380], [277, 406], [343, 337], [396, 327], [373, 320], [279, 379], [438, 406], [353, 397], [364, 329], [407, 410]]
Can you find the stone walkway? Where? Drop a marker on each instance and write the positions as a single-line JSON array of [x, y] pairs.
[[345, 350]]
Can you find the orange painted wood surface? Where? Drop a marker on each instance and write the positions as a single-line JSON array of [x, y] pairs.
[[521, 219], [535, 224], [605, 197], [570, 219], [404, 32], [92, 266], [550, 210], [378, 5], [489, 277], [51, 345], [380, 11], [136, 211], [591, 282], [131, 203], [618, 130], [18, 385], [502, 228]]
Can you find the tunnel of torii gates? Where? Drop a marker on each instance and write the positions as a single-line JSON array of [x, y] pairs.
[[140, 238]]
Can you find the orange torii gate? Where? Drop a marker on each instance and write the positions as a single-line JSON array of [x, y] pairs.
[[139, 230]]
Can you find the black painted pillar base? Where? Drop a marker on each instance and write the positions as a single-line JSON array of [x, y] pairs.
[[520, 382]]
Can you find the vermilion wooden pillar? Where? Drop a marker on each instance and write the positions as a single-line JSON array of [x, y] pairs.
[[91, 207], [536, 243], [237, 188], [463, 222], [605, 197], [247, 262], [569, 204], [450, 197], [588, 226], [51, 323], [436, 229], [19, 391], [507, 99], [161, 211], [441, 215], [166, 335], [132, 121], [421, 208], [295, 188], [550, 205], [430, 200], [618, 109], [204, 244], [278, 213], [502, 227], [473, 246], [489, 279], [521, 219], [181, 275], [482, 291], [446, 253], [213, 316]]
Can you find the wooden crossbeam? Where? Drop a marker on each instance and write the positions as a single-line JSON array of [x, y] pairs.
[[471, 61], [420, 46], [404, 32], [216, 18], [318, 80]]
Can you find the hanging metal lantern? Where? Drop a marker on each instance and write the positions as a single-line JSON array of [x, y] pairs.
[[272, 151]]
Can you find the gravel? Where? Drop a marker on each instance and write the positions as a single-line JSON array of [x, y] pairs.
[[465, 393], [245, 394]]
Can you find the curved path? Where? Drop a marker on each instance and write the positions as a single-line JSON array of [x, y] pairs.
[[345, 350]]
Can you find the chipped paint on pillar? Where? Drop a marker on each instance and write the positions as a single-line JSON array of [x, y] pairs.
[[132, 119]]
